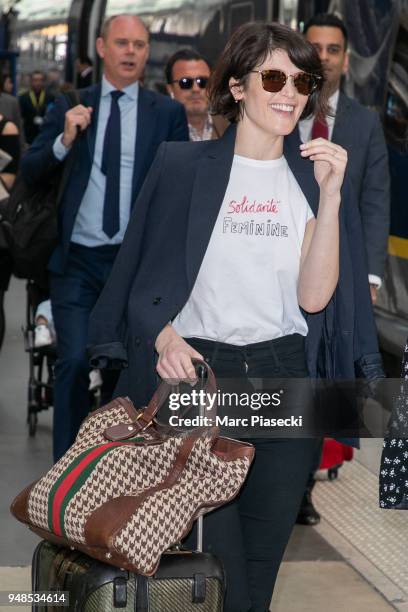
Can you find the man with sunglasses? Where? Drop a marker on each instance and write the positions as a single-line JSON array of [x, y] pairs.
[[359, 131], [187, 76]]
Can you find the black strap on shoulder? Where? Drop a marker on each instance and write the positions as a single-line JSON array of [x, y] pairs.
[[3, 122], [73, 99]]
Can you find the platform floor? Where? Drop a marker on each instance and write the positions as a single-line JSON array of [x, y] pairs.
[[355, 560]]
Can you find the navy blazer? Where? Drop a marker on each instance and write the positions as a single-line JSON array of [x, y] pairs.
[[158, 118], [164, 246], [358, 130]]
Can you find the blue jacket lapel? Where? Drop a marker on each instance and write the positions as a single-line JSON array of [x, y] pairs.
[[302, 169], [146, 118], [209, 187], [341, 133], [92, 97]]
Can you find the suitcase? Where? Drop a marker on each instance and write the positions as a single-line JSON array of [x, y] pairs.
[[186, 581], [333, 455]]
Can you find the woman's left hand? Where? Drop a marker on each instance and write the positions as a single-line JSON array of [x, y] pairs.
[[330, 161]]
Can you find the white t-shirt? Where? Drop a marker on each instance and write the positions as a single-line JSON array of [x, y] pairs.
[[246, 288]]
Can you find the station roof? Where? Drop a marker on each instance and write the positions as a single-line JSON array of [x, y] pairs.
[[43, 10], [154, 6]]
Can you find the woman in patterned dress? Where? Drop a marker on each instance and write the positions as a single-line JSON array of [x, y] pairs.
[[394, 459]]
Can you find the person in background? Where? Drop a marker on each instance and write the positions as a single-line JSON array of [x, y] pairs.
[[10, 145], [113, 134], [44, 331], [33, 105], [45, 336], [359, 131], [53, 83], [393, 481], [8, 86], [84, 68], [10, 108], [187, 76]]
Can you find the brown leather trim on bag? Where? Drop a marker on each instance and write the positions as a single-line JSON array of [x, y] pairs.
[[145, 417], [105, 521], [123, 431], [118, 402], [19, 506], [229, 449]]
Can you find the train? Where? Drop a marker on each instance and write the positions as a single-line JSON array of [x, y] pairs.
[[378, 77], [54, 35]]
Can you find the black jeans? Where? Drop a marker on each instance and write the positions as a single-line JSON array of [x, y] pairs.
[[250, 533]]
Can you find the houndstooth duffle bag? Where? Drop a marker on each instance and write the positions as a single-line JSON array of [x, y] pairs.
[[130, 488]]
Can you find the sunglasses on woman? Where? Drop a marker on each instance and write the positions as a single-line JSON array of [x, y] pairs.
[[188, 82], [275, 80]]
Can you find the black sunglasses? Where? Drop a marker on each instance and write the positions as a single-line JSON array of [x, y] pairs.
[[188, 82], [275, 80]]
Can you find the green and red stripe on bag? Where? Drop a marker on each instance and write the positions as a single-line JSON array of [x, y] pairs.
[[128, 489]]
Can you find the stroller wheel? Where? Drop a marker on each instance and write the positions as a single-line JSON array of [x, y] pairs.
[[32, 423]]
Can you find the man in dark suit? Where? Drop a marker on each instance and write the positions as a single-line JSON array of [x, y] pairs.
[[113, 135], [33, 105], [359, 131], [84, 71]]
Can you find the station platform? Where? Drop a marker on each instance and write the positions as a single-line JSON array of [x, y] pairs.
[[356, 559]]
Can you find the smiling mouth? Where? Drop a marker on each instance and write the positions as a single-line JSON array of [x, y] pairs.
[[283, 108], [128, 64]]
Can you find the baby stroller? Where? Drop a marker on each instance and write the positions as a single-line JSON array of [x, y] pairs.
[[41, 360], [41, 363]]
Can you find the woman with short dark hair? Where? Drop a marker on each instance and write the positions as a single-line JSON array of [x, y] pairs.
[[224, 244]]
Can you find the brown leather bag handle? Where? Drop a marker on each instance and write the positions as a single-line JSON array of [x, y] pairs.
[[164, 389], [146, 416]]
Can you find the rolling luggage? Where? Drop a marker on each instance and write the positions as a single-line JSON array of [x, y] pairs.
[[333, 455], [185, 581]]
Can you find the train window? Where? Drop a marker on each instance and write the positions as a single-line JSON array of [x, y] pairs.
[[240, 13], [40, 32], [288, 12], [396, 113]]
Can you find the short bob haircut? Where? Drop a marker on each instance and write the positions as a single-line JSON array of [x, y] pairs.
[[247, 49]]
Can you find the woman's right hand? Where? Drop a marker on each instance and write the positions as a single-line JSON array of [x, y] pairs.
[[175, 356]]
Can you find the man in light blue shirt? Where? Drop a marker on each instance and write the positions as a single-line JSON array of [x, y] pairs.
[[113, 136], [88, 223]]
